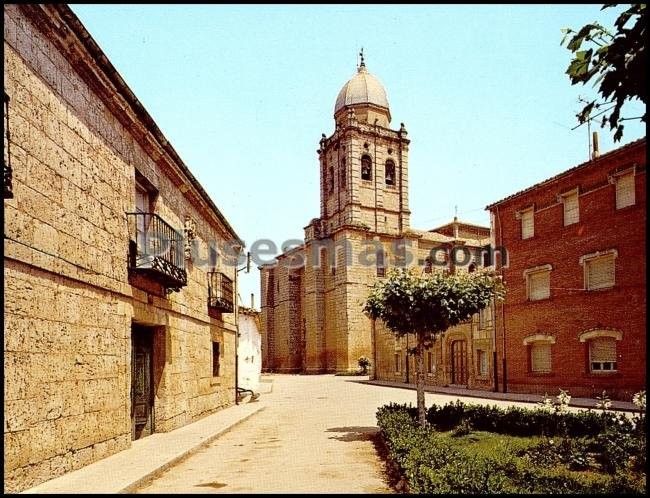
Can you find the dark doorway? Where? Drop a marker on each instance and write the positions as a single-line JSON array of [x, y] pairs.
[[459, 362], [141, 381]]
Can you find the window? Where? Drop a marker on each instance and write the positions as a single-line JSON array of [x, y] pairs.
[[485, 317], [625, 190], [538, 282], [471, 268], [366, 167], [540, 357], [481, 362], [398, 362], [381, 269], [429, 362], [428, 265], [527, 223], [600, 269], [602, 354], [390, 172], [215, 359], [602, 349], [343, 172], [571, 208]]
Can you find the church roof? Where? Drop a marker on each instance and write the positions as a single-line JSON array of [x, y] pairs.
[[362, 88]]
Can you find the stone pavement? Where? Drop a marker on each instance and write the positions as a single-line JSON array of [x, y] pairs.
[[315, 434], [491, 395], [129, 469]]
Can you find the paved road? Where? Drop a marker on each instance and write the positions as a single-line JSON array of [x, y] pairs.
[[314, 435]]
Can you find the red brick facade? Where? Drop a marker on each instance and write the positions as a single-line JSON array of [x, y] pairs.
[[572, 318]]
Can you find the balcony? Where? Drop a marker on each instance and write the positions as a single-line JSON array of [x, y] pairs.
[[156, 251], [220, 294]]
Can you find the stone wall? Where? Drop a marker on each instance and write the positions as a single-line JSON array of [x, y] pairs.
[[69, 303]]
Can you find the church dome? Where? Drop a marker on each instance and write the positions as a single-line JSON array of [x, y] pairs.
[[362, 88]]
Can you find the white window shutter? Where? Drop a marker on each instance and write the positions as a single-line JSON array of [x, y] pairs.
[[571, 209], [603, 349], [527, 224], [625, 191], [540, 357], [539, 285], [600, 272]]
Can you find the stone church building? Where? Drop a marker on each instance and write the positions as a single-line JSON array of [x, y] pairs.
[[313, 294], [118, 315]]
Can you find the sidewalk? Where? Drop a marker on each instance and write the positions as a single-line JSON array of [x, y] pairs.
[[521, 397], [127, 470]]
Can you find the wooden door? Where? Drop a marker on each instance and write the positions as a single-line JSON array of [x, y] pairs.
[[459, 362], [141, 383]]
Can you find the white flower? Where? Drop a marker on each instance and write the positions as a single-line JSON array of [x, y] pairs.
[[639, 400]]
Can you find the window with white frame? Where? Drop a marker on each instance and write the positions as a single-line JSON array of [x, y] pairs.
[[625, 195], [539, 350], [527, 223], [571, 207], [538, 282], [599, 270], [481, 362], [602, 354], [601, 345]]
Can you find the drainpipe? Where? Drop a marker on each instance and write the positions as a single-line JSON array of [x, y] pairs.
[[503, 312]]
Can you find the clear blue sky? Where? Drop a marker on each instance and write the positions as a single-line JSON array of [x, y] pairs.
[[244, 92]]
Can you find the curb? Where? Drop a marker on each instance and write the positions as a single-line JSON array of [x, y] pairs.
[[150, 476], [473, 394]]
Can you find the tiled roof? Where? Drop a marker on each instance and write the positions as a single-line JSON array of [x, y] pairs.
[[631, 145]]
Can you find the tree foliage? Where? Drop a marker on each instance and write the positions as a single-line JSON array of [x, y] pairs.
[[431, 303], [427, 305], [616, 62]]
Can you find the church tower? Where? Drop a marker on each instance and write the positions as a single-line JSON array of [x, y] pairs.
[[364, 163], [364, 201]]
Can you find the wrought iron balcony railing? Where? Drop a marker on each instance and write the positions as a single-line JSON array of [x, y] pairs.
[[156, 250], [220, 292]]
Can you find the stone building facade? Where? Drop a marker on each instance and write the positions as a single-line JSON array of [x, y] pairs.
[[313, 294], [574, 316], [119, 317]]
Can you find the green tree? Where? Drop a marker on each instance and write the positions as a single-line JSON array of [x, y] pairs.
[[427, 305], [617, 61]]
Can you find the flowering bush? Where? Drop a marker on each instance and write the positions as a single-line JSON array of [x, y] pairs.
[[563, 400], [639, 400], [603, 403]]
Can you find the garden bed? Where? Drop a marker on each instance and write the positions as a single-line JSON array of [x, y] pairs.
[[478, 449]]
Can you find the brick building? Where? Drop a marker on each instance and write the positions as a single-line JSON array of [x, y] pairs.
[[574, 315], [118, 307], [312, 296]]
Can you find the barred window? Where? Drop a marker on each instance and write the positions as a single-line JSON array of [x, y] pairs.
[[398, 362], [429, 362], [481, 362]]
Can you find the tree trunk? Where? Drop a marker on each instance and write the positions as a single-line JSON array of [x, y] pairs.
[[419, 381]]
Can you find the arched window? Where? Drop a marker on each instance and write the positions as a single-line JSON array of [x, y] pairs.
[[390, 172], [343, 171], [366, 167], [472, 267]]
